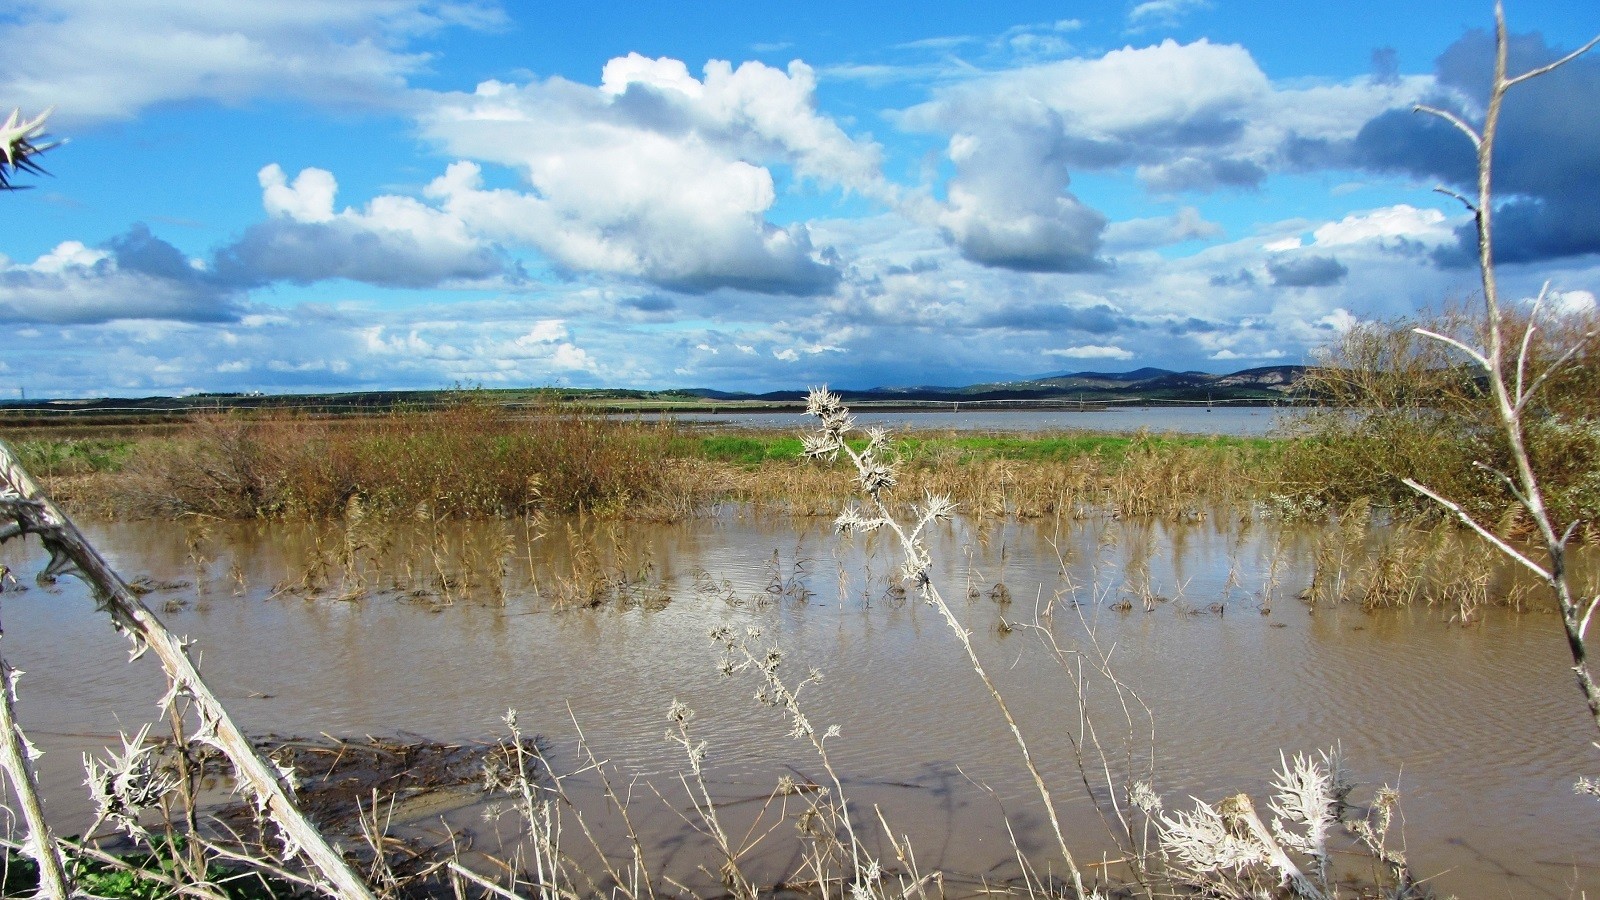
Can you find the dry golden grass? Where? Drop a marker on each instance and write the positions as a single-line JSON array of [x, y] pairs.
[[480, 461]]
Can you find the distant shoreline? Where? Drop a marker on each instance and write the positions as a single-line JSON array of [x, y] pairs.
[[44, 415]]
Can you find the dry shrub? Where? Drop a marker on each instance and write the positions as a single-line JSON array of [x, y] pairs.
[[1400, 405]]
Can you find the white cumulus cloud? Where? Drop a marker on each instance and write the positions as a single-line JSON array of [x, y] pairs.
[[395, 241], [654, 173], [1392, 223]]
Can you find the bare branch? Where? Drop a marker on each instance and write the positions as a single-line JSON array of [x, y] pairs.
[[16, 757], [1477, 357], [1572, 528], [1543, 70], [1453, 119], [1560, 363], [481, 881], [1486, 534], [1505, 479], [1464, 201], [1527, 339]]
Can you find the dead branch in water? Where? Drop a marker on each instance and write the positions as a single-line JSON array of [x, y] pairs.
[[29, 511]]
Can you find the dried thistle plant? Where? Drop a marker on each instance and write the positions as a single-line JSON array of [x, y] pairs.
[[875, 474], [1227, 851], [829, 812], [21, 143], [694, 783], [127, 783], [27, 510]]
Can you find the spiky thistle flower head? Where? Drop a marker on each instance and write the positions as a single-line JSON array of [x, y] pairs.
[[823, 403], [1304, 798], [20, 144], [1143, 795], [128, 782], [821, 445], [876, 477], [852, 520], [1200, 844], [938, 508], [877, 439]]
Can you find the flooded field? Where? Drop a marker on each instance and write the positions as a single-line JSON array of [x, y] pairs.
[[436, 631]]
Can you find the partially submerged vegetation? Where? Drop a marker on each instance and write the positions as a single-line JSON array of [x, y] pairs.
[[1419, 419], [475, 460], [1402, 405], [1398, 411]]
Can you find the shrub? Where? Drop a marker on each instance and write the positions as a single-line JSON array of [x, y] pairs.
[[466, 460], [1401, 405]]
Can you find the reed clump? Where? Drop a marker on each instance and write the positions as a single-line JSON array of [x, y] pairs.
[[1049, 475], [1398, 565], [470, 460]]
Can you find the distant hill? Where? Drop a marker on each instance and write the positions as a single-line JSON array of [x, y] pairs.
[[1267, 383], [1144, 374]]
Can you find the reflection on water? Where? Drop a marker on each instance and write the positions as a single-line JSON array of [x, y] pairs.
[[1480, 726]]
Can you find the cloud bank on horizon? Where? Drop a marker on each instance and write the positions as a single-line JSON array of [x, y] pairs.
[[412, 193]]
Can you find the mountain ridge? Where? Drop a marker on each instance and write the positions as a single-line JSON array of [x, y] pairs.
[[1264, 383]]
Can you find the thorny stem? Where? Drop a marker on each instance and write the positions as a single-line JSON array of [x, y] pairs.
[[70, 552], [732, 875], [1574, 611], [618, 803], [15, 758], [790, 701], [187, 782], [875, 478]]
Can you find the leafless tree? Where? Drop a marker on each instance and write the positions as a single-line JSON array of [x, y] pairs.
[[1511, 386]]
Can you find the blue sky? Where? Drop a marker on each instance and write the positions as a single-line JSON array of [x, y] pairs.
[[360, 194]]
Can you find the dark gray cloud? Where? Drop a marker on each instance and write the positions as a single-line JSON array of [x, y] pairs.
[[138, 250], [1064, 242], [1242, 278], [1196, 174], [775, 261], [1102, 319], [1547, 159], [135, 276], [652, 303], [1306, 271], [1192, 325]]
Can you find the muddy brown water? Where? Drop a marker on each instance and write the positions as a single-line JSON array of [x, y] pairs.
[[1480, 727]]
